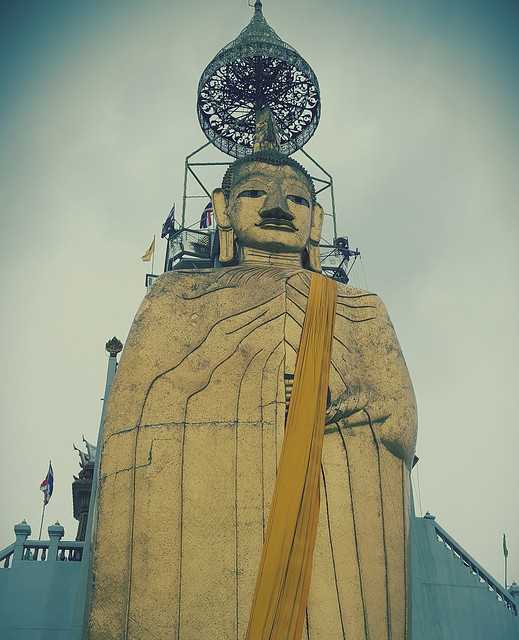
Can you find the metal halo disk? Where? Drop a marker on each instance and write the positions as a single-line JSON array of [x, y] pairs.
[[258, 70]]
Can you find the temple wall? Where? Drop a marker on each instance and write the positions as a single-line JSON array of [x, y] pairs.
[[42, 588], [39, 604], [453, 597], [45, 600]]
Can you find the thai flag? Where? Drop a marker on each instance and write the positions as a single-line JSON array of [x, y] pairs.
[[205, 219], [47, 485], [169, 224]]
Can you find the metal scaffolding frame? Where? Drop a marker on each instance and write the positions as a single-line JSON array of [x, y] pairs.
[[335, 251]]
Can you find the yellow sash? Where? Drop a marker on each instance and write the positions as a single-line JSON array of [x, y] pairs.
[[283, 582]]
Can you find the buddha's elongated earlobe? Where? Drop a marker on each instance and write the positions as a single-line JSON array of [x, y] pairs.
[[312, 246], [225, 230], [314, 256], [226, 238]]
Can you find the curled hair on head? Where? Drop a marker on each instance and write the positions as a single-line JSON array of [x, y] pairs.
[[268, 156]]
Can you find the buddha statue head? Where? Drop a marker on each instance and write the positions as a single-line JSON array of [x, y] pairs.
[[267, 207]]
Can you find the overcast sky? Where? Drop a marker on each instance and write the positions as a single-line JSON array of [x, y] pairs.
[[420, 130]]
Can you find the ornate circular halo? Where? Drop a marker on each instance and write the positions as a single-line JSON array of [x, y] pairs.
[[255, 71]]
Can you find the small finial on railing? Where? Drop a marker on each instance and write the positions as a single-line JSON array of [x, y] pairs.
[[56, 530], [22, 529]]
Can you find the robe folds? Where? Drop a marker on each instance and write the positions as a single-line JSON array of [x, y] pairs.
[[192, 437]]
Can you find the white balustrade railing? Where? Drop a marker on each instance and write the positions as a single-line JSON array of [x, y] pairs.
[[52, 550], [474, 567]]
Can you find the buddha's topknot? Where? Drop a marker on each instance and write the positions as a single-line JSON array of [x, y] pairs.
[[268, 156]]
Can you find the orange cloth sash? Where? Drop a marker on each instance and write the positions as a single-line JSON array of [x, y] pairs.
[[283, 582]]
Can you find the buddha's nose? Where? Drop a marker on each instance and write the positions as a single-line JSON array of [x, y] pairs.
[[276, 213], [276, 206]]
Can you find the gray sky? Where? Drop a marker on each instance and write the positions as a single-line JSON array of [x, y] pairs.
[[419, 129]]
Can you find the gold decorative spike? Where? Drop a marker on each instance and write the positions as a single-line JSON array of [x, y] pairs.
[[267, 137]]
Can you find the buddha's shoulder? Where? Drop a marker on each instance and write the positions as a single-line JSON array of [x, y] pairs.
[[212, 286], [354, 293], [183, 281], [193, 284], [353, 302], [189, 283]]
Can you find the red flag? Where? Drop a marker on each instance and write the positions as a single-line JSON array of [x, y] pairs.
[[47, 485], [205, 219]]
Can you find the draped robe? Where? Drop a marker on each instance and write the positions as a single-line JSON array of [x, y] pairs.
[[192, 437]]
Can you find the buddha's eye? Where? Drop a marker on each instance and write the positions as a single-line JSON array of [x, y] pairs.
[[298, 200], [251, 193]]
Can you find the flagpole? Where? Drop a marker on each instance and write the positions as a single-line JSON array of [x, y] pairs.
[[167, 229], [166, 259], [153, 257], [42, 514], [505, 554]]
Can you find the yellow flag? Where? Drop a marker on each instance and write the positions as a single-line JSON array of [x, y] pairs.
[[149, 253]]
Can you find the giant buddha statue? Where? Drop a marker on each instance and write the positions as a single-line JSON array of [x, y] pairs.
[[258, 440]]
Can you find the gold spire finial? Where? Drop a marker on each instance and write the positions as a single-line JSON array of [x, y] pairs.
[[266, 136]]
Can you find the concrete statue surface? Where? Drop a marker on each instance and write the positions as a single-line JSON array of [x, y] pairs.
[[194, 431]]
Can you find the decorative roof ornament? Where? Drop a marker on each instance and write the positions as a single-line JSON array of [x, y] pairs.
[[256, 72], [114, 346], [86, 456]]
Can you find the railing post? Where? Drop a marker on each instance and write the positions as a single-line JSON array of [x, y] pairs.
[[429, 519], [56, 532], [22, 531]]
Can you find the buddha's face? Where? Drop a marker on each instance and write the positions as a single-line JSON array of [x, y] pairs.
[[270, 207]]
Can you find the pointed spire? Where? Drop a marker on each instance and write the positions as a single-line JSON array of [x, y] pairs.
[[258, 29]]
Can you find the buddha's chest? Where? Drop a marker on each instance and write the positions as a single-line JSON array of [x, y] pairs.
[[232, 355], [346, 358]]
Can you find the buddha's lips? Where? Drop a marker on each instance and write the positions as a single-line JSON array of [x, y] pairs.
[[281, 224]]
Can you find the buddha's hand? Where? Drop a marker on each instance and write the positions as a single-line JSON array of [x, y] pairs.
[[381, 398]]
